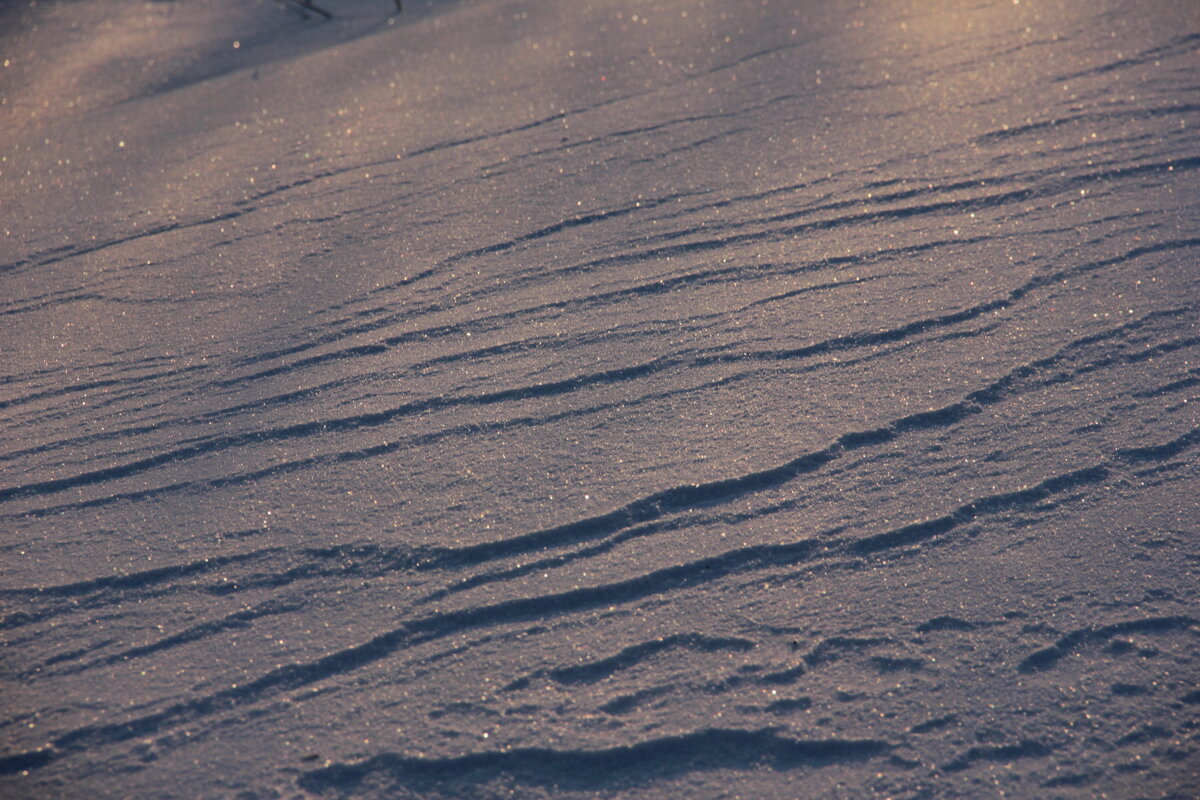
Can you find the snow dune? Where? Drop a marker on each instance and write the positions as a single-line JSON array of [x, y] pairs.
[[599, 399]]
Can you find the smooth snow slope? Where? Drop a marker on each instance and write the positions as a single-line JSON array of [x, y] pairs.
[[600, 399]]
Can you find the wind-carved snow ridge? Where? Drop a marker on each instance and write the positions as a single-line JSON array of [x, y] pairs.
[[605, 399], [712, 749]]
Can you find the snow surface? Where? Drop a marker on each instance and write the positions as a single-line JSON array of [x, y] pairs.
[[600, 398]]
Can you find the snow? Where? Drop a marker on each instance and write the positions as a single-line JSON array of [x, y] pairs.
[[599, 399]]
